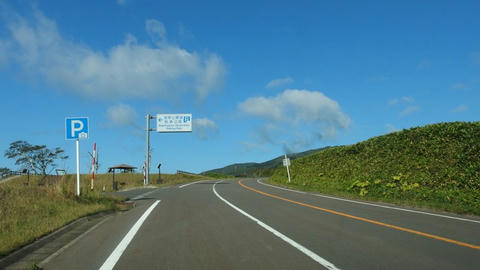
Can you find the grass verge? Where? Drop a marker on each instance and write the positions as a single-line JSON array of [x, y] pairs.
[[31, 209]]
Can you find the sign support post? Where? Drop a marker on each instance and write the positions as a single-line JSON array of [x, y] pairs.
[[77, 142], [286, 163], [76, 128], [147, 154], [165, 123]]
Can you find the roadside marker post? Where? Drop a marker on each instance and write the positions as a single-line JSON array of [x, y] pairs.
[[286, 163], [166, 123], [93, 165], [76, 128], [144, 173]]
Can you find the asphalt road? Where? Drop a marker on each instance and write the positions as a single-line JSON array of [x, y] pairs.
[[249, 225]]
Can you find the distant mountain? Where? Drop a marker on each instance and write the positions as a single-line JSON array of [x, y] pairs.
[[253, 169]]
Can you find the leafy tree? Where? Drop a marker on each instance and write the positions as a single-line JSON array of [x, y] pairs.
[[4, 171], [36, 158]]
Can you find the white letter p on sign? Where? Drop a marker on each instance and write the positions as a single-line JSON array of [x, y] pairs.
[[76, 126]]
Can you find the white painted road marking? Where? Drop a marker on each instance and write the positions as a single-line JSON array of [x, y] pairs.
[[143, 195], [182, 186], [285, 238], [115, 256], [287, 189], [58, 252], [377, 205]]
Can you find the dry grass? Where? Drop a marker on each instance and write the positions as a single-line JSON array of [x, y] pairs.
[[126, 181], [28, 212]]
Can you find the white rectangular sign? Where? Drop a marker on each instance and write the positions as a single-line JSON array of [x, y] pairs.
[[286, 162], [174, 122]]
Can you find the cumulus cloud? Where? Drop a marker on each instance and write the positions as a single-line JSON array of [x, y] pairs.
[[298, 106], [460, 109], [204, 128], [279, 82], [128, 69], [121, 115], [295, 118]]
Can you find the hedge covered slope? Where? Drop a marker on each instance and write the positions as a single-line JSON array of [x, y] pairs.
[[435, 165]]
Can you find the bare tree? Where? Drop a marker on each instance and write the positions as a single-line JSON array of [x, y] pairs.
[[36, 158]]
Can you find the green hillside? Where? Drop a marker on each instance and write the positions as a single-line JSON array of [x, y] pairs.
[[434, 166], [253, 169]]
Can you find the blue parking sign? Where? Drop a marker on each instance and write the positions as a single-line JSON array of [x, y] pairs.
[[76, 128]]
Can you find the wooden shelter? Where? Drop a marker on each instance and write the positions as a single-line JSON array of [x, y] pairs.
[[124, 168]]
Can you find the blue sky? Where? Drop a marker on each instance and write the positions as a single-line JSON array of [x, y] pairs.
[[261, 78]]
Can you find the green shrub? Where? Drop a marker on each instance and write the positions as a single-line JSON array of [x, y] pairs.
[[435, 165]]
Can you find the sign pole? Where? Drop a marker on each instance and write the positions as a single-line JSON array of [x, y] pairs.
[[78, 166], [76, 128], [147, 154], [288, 171]]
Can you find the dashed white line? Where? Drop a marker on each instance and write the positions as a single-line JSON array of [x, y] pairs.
[[117, 253], [285, 238], [377, 205]]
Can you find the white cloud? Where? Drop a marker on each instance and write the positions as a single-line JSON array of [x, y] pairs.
[[128, 69], [279, 82], [460, 109], [295, 118], [409, 110], [121, 115], [401, 100], [297, 105], [204, 128], [156, 30]]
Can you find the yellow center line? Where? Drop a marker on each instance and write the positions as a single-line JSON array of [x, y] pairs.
[[365, 219]]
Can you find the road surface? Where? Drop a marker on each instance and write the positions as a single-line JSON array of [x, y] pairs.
[[246, 224]]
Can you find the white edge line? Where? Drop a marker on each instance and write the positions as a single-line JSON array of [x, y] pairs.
[[182, 186], [285, 238], [287, 189], [117, 253], [60, 251], [377, 205]]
